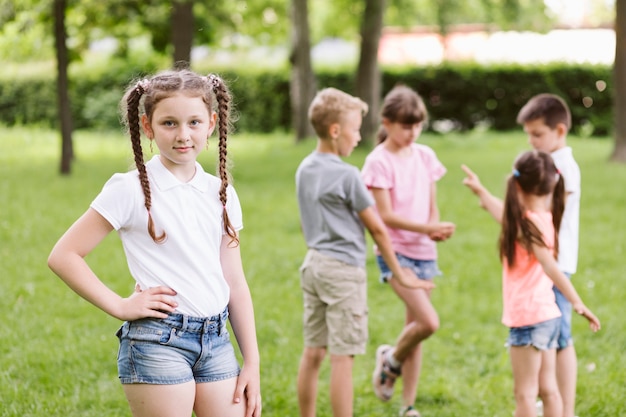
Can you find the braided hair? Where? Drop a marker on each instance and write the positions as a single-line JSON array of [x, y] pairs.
[[147, 93]]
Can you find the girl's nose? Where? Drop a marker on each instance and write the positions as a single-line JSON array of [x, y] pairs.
[[183, 135]]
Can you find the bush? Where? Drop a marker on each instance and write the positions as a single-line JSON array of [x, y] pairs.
[[461, 95]]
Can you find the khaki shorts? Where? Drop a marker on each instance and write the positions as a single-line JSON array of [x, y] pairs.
[[335, 304]]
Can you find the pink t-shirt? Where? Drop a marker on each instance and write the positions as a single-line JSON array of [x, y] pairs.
[[527, 292], [409, 180]]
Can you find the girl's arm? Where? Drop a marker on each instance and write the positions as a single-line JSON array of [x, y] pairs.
[[546, 258], [391, 219], [489, 202], [67, 260], [379, 233], [241, 313], [434, 216]]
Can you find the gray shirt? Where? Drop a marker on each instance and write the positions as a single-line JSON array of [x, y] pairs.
[[330, 194]]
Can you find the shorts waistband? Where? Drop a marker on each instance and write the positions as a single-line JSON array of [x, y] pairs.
[[196, 324]]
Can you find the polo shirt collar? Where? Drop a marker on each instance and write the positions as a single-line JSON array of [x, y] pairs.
[[165, 180]]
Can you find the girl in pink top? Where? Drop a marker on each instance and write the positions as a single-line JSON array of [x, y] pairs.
[[402, 177], [533, 207]]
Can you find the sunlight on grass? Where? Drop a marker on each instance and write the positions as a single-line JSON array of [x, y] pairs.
[[61, 350]]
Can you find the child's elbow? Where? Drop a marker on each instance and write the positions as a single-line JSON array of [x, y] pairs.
[[54, 260]]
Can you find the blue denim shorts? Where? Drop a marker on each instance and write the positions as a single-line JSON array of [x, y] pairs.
[[176, 350], [565, 335], [543, 336], [425, 270]]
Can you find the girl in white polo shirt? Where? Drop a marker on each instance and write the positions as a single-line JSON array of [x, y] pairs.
[[179, 229]]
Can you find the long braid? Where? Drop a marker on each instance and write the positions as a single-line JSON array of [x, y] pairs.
[[134, 96], [222, 96]]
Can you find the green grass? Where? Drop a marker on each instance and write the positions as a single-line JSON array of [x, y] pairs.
[[57, 352]]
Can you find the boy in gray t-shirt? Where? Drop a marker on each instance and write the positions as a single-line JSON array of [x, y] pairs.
[[335, 209]]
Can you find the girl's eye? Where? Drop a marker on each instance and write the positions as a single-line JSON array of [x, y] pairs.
[[168, 123], [195, 122]]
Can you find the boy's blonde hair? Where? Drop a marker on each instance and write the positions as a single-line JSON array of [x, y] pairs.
[[329, 106]]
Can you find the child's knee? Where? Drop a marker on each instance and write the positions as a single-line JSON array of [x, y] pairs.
[[429, 325], [314, 356]]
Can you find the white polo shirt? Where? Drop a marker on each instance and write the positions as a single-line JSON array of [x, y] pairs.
[[191, 215], [568, 233]]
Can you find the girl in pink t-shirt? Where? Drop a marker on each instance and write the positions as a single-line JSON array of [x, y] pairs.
[[402, 177], [533, 207]]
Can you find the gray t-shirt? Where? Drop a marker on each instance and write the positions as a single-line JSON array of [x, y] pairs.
[[330, 194]]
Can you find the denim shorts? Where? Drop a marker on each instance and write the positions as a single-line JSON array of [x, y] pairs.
[[425, 270], [565, 335], [176, 350], [543, 336]]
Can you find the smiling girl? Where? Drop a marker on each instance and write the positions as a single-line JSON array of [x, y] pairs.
[[179, 228]]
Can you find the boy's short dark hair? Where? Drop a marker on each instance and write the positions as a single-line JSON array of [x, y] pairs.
[[549, 107], [329, 106]]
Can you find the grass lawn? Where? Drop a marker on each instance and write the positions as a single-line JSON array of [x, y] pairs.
[[57, 352]]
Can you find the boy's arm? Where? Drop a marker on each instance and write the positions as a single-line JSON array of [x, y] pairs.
[[378, 230], [489, 202]]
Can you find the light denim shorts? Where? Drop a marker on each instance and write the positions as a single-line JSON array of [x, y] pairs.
[[426, 270], [543, 336], [176, 350], [565, 334]]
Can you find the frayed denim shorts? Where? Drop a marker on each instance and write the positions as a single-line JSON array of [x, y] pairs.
[[542, 336], [176, 350], [425, 270]]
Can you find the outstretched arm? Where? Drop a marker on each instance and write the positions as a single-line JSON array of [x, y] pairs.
[[241, 313], [378, 230], [489, 202], [67, 260], [551, 268]]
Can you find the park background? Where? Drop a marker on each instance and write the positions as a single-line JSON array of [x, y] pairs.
[[57, 351]]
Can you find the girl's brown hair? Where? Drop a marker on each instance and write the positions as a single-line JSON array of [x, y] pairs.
[[534, 173], [148, 93], [402, 105]]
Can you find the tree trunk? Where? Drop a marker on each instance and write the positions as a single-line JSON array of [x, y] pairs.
[[368, 80], [65, 115], [302, 82], [619, 81], [182, 32]]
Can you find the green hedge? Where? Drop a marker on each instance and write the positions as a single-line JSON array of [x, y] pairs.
[[463, 95]]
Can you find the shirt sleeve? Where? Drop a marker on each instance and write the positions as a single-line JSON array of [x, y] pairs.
[[433, 166], [358, 194], [117, 199], [233, 208], [571, 177]]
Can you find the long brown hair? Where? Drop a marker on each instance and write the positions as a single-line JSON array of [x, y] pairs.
[[148, 93], [535, 173], [402, 105]]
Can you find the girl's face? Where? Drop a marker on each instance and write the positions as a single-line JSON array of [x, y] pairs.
[[180, 127], [402, 135]]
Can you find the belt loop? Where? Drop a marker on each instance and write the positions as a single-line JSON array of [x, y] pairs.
[[184, 322], [222, 321]]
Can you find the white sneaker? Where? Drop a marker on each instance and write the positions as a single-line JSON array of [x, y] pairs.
[[384, 377]]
